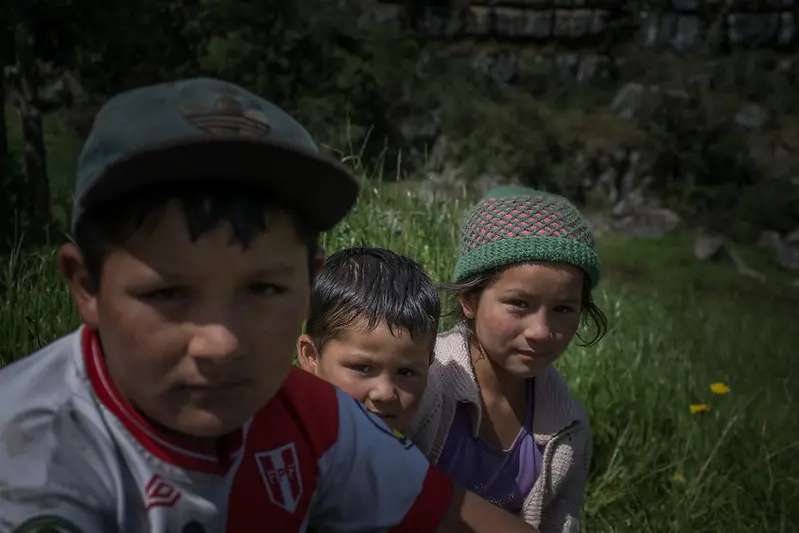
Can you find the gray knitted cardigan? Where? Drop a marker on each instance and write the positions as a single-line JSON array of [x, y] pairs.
[[560, 427]]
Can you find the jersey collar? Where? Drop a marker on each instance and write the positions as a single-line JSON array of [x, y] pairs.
[[180, 452]]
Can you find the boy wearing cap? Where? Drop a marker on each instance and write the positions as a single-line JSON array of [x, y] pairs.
[[175, 407]]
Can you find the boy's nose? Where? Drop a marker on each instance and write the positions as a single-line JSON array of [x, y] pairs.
[[382, 391], [213, 341]]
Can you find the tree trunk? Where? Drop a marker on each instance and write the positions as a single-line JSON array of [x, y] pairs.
[[3, 125], [33, 136]]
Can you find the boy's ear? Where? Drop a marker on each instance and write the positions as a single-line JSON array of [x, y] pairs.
[[318, 261], [307, 355], [81, 288]]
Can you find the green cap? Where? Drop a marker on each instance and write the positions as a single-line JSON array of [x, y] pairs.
[[204, 128]]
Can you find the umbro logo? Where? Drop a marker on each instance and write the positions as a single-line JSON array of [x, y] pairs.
[[159, 493]]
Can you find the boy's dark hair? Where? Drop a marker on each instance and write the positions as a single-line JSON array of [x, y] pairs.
[[368, 286], [473, 286], [204, 204]]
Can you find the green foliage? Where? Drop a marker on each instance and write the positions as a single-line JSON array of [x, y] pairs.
[[505, 136], [310, 57], [702, 165], [770, 205], [380, 91], [352, 84], [698, 157]]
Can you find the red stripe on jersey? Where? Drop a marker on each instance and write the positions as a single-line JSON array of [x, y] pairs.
[[430, 506], [170, 449], [279, 472]]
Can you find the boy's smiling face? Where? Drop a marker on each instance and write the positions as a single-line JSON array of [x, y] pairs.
[[386, 370], [197, 335]]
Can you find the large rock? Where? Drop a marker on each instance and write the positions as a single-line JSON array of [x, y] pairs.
[[383, 13], [708, 245], [646, 222], [786, 248], [752, 117], [453, 184], [628, 100], [671, 30], [713, 246], [632, 97]]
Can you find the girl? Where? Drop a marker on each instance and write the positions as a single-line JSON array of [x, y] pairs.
[[496, 415]]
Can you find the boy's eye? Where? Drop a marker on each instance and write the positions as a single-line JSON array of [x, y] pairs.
[[406, 372], [361, 369], [565, 309], [265, 289], [166, 294]]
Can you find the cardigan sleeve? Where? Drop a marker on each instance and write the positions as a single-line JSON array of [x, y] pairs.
[[425, 424], [563, 514], [432, 422], [449, 382]]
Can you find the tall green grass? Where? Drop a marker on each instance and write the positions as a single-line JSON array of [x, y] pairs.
[[657, 467]]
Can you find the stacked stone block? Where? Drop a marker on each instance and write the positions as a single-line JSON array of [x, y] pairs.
[[675, 24]]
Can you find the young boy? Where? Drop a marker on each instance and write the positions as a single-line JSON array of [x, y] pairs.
[[175, 408], [371, 330]]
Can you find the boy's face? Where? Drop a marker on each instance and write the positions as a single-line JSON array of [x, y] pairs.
[[385, 371], [197, 335]]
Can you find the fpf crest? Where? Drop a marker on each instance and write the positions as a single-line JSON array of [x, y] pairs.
[[280, 471]]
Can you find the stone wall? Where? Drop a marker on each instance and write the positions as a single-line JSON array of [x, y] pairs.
[[675, 24]]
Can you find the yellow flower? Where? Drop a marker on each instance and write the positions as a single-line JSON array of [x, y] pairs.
[[697, 408], [719, 388], [678, 477]]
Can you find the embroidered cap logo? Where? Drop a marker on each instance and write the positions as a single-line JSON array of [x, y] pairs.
[[227, 117]]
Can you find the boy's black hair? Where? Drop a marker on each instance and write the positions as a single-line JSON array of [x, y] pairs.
[[367, 286], [204, 204]]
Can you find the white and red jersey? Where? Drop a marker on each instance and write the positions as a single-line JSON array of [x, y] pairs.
[[76, 458]]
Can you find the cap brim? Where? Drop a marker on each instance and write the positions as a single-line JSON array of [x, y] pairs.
[[318, 188]]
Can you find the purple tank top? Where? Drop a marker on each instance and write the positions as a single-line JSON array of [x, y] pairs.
[[503, 477]]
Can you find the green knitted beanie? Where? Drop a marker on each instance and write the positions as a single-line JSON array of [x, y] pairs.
[[516, 224]]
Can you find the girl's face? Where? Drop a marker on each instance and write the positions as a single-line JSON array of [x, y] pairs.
[[526, 318]]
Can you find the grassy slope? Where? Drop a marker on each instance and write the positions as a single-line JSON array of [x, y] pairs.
[[676, 327]]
